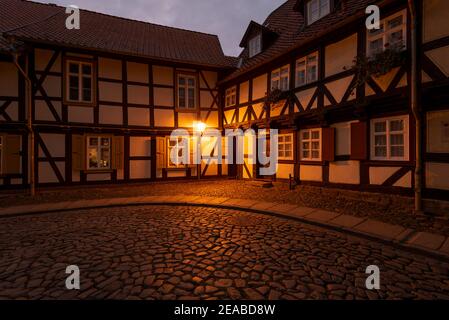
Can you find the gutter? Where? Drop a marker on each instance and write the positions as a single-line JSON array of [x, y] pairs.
[[415, 108], [28, 103]]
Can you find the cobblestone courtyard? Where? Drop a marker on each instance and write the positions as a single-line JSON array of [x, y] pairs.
[[165, 252]]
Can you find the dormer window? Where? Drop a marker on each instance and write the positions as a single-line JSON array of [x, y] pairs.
[[317, 9], [255, 45]]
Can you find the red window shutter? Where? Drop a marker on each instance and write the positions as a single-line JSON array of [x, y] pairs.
[[359, 143], [328, 144]]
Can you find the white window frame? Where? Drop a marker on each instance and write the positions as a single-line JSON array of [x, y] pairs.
[[80, 75], [99, 147], [305, 65], [310, 140], [388, 133], [255, 45], [323, 7], [231, 97], [186, 86], [280, 78], [284, 146], [179, 146], [385, 32]]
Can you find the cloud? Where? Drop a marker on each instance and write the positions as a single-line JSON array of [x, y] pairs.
[[227, 19]]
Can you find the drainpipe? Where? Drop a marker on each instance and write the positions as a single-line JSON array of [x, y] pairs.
[[28, 103], [415, 107]]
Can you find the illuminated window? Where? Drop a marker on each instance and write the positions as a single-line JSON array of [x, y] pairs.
[[391, 35], [231, 95], [79, 82], [186, 92], [280, 78], [307, 69], [389, 139], [316, 9], [98, 152], [310, 144], [255, 45], [285, 146]]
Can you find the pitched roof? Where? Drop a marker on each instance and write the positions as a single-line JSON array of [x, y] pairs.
[[289, 23], [45, 23]]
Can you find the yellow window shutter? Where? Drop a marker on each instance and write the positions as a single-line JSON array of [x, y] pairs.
[[161, 152], [78, 152], [117, 159], [12, 154]]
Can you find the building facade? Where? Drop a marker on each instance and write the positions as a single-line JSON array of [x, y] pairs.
[[105, 97]]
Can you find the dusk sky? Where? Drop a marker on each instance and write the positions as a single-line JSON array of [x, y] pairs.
[[227, 19]]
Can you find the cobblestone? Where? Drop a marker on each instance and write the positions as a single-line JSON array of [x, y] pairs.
[[164, 252]]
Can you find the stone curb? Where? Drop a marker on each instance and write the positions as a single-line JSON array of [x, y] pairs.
[[425, 243]]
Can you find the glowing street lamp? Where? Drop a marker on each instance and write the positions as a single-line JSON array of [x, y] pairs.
[[199, 127]]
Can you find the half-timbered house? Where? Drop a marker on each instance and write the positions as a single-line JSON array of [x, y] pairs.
[[104, 98], [334, 129]]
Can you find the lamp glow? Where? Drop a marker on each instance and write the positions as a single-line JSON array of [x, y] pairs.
[[200, 126]]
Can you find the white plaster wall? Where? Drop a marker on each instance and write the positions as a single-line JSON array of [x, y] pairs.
[[55, 144], [163, 75], [311, 173], [435, 14], [140, 146], [378, 175], [260, 86], [52, 86], [186, 119], [137, 72], [81, 114], [437, 175], [8, 80], [212, 119], [111, 92], [338, 88], [138, 117], [340, 55], [284, 170], [42, 58], [12, 110], [244, 92], [111, 115], [206, 100], [164, 118], [163, 97], [140, 169], [344, 172], [439, 57], [42, 111], [109, 68], [138, 95], [438, 131], [305, 96], [46, 173], [211, 78]]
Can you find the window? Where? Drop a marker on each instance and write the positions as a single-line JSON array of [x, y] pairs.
[[310, 144], [285, 147], [391, 35], [186, 92], [389, 139], [178, 147], [98, 153], [231, 96], [79, 82], [255, 45], [307, 69], [316, 9], [280, 78]]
